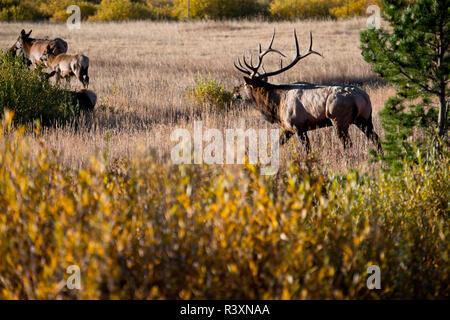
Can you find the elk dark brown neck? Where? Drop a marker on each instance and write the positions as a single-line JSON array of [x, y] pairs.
[[267, 101], [27, 44]]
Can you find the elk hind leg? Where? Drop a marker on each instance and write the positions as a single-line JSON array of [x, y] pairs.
[[86, 77], [82, 75], [366, 126]]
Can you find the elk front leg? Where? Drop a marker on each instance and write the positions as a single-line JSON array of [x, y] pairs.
[[58, 78], [305, 140], [51, 74], [343, 135], [285, 136]]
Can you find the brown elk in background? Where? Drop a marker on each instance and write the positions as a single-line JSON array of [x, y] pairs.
[[300, 107], [86, 99], [33, 49], [65, 65]]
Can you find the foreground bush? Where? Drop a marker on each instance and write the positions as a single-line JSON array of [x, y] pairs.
[[146, 230], [28, 93]]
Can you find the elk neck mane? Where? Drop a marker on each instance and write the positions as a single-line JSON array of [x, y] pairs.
[[267, 100]]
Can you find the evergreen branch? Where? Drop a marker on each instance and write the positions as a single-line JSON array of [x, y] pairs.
[[388, 54]]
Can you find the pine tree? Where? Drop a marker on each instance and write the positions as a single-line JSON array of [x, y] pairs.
[[413, 54]]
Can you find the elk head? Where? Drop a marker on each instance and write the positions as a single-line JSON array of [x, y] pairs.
[[48, 51], [23, 37], [18, 45], [255, 79]]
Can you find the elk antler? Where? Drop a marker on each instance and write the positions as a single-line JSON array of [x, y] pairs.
[[250, 66], [255, 73]]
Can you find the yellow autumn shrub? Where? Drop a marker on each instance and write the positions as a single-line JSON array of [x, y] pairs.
[[352, 8], [139, 229], [19, 10], [301, 9], [122, 10]]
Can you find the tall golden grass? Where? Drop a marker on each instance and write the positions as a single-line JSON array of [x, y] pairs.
[[142, 70]]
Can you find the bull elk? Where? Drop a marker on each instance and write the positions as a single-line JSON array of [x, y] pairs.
[[33, 49], [65, 65], [300, 107]]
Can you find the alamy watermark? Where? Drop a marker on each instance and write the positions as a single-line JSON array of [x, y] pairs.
[[74, 280], [263, 147], [374, 20], [374, 280], [74, 20]]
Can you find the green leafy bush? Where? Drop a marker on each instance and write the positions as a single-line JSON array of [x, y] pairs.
[[29, 94], [210, 92]]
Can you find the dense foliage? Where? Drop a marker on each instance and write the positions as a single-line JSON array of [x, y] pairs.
[[140, 229], [414, 55], [118, 10], [210, 93], [29, 93], [301, 9]]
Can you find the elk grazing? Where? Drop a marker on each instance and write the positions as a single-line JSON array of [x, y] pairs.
[[300, 107], [33, 49], [86, 99], [65, 65]]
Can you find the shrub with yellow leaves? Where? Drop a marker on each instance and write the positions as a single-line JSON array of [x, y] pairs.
[[163, 231]]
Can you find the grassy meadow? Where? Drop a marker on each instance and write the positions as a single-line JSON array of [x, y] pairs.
[[100, 191], [142, 70]]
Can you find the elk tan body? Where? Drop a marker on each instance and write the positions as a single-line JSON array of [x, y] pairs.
[[33, 49], [66, 66], [301, 107]]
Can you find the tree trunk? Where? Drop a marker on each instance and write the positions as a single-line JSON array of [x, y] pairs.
[[442, 119]]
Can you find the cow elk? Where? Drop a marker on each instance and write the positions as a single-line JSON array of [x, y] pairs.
[[33, 49], [66, 66], [86, 99], [300, 107]]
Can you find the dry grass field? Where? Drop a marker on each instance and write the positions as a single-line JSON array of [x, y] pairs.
[[141, 71]]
